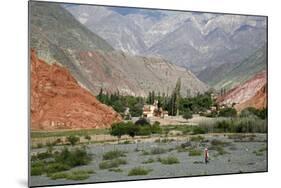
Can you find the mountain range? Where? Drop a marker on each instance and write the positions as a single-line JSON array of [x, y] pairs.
[[190, 39], [57, 37]]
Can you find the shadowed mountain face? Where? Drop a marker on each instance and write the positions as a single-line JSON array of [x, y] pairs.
[[193, 40], [59, 102], [230, 75], [58, 37]]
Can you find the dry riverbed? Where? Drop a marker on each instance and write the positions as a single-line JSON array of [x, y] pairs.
[[174, 158]]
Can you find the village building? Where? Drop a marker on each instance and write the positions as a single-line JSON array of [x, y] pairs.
[[153, 111]]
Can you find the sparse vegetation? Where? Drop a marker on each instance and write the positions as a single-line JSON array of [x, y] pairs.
[[156, 151], [197, 138], [112, 163], [260, 152], [169, 160], [115, 170], [195, 152], [74, 175], [139, 171], [59, 161], [113, 154], [149, 160]]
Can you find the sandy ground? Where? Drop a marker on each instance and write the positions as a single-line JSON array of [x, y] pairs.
[[240, 159]]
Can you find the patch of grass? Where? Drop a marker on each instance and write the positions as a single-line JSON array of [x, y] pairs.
[[169, 160], [194, 152], [198, 130], [260, 152], [217, 142], [112, 163], [37, 168], [219, 149], [58, 175], [138, 171], [74, 175], [181, 149], [149, 160], [41, 156], [197, 138], [115, 170], [144, 152], [45, 134], [156, 151], [242, 137], [113, 154], [79, 175], [56, 167], [165, 140]]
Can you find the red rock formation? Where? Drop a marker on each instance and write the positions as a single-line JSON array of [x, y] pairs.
[[59, 102], [251, 93], [258, 101]]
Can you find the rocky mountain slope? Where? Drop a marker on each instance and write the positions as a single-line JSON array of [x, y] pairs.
[[231, 74], [193, 40], [59, 102], [136, 75], [259, 100], [58, 37], [251, 93], [55, 35]]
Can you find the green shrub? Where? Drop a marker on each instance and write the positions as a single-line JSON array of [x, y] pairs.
[[113, 154], [198, 130], [228, 112], [57, 167], [241, 125], [138, 171], [168, 160], [37, 168], [142, 122], [187, 114], [195, 152], [197, 138], [72, 140], [112, 163], [253, 112], [77, 157], [58, 175], [41, 156], [88, 137], [39, 145]]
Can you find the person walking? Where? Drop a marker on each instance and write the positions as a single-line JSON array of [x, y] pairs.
[[206, 155]]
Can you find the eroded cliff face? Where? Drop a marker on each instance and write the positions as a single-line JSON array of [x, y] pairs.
[[251, 93], [59, 102]]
